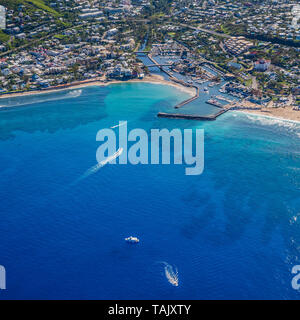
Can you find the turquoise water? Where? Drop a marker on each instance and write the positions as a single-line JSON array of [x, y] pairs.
[[232, 232]]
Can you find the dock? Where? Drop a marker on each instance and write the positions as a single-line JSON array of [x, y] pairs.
[[224, 99], [214, 103]]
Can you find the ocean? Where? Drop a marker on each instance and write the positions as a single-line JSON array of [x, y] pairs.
[[232, 232]]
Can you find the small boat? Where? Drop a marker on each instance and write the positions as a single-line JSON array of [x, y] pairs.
[[206, 89], [132, 239]]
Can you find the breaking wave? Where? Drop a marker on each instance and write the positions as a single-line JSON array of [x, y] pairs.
[[74, 94], [288, 125], [38, 98]]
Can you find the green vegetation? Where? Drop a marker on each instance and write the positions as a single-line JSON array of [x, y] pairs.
[[41, 5], [157, 8], [3, 37], [29, 4], [248, 83], [59, 36]]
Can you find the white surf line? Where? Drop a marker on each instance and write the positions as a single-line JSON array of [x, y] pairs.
[[99, 165], [256, 115], [74, 93], [19, 101]]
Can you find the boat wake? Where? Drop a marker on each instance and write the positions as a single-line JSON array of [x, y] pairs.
[[99, 165], [119, 125], [171, 273]]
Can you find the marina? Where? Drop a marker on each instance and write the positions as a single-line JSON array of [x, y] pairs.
[[197, 107]]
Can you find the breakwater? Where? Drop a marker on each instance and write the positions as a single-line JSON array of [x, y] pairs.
[[196, 96], [184, 116], [191, 116]]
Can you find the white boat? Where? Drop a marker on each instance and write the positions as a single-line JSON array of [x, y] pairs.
[[132, 239]]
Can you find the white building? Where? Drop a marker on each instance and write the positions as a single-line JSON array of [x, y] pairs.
[[112, 32], [2, 17]]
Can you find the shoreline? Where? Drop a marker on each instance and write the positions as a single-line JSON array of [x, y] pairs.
[[271, 117], [282, 113], [153, 79], [286, 114]]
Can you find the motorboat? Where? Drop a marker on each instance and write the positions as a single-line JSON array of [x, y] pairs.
[[132, 239]]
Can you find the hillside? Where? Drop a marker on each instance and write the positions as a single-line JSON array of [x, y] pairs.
[[30, 5]]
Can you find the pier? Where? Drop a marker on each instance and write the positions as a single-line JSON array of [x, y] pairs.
[[224, 99], [184, 116], [196, 96], [192, 116], [214, 103]]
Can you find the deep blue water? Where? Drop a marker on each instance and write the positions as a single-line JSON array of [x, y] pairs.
[[232, 232]]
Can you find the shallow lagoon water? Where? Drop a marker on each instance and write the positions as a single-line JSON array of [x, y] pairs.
[[232, 232]]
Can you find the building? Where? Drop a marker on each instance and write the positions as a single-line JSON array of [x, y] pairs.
[[262, 65], [234, 65], [237, 45], [2, 17], [296, 91]]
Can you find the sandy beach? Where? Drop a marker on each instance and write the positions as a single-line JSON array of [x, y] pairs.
[[279, 113], [285, 113], [155, 79]]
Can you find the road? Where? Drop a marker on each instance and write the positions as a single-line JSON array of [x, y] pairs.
[[254, 83], [223, 35]]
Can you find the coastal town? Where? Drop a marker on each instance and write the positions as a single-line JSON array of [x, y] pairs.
[[150, 151], [249, 51]]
